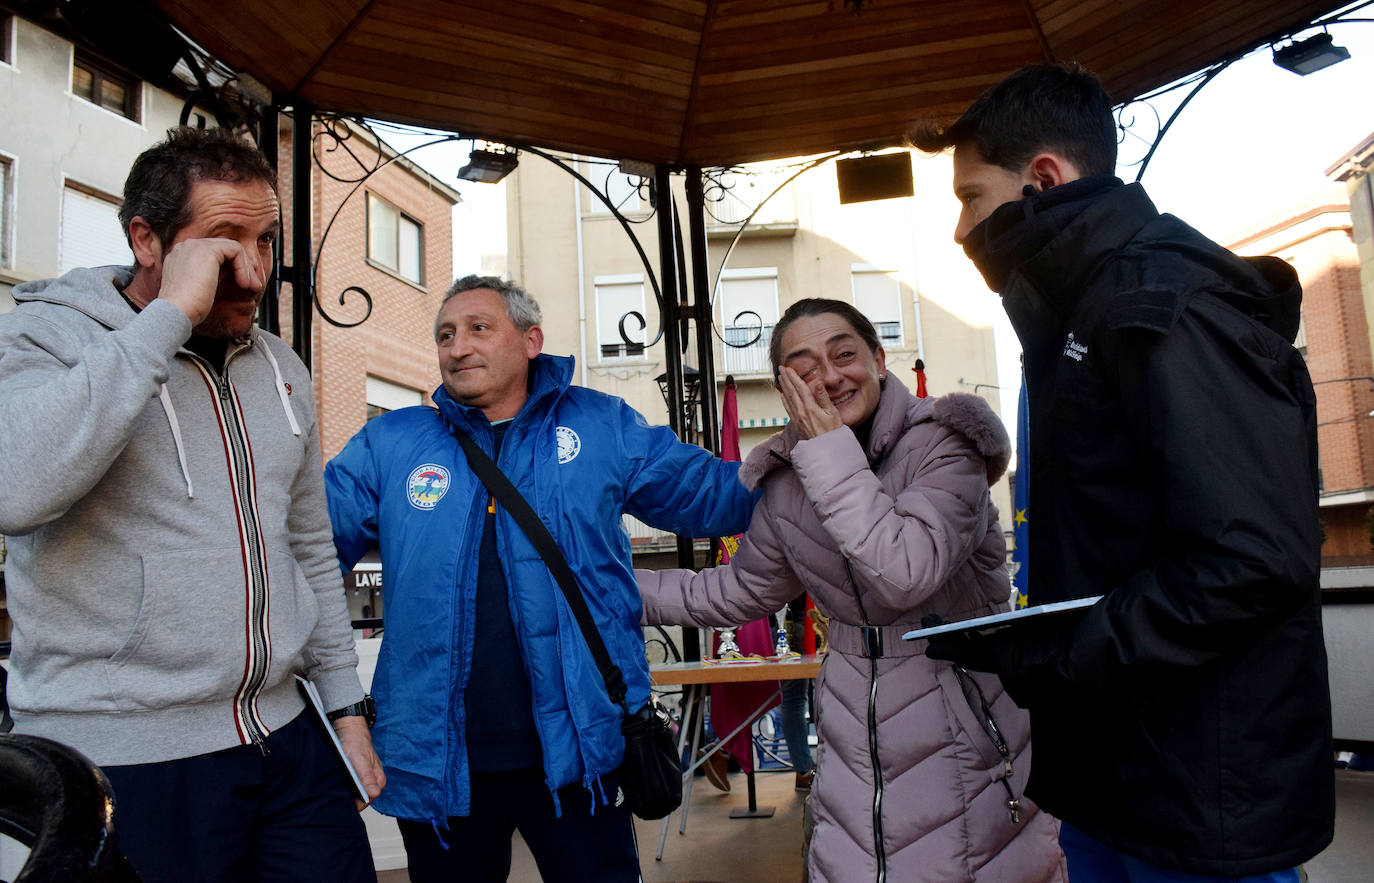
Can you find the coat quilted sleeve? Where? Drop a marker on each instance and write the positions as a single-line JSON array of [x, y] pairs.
[[903, 547], [756, 582]]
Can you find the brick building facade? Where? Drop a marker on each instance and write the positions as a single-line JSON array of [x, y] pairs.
[[1317, 239], [388, 360]]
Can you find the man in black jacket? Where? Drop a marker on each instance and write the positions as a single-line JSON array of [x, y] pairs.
[[1182, 724]]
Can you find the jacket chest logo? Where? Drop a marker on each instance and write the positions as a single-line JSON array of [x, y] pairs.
[[1073, 349], [426, 486], [569, 445]]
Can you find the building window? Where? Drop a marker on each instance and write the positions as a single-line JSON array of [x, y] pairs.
[[748, 311], [102, 84], [878, 295], [6, 210], [616, 297], [7, 39], [621, 189], [395, 240], [91, 235], [384, 396]]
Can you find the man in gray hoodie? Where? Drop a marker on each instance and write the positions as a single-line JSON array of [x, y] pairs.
[[171, 563]]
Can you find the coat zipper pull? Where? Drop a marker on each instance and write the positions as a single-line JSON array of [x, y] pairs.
[[262, 746], [1014, 806]]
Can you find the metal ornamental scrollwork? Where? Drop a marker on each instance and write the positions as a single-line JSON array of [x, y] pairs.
[[716, 190], [625, 224], [1125, 113], [335, 131], [638, 317], [736, 324]]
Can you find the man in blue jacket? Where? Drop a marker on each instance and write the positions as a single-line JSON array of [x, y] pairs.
[[492, 715]]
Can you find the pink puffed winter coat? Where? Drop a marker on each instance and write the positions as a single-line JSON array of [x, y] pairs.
[[910, 785]]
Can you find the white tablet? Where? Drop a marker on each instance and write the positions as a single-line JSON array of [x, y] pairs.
[[1001, 620]]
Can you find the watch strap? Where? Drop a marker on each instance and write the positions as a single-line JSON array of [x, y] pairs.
[[367, 709]]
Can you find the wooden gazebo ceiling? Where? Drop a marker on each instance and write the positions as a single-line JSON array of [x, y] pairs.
[[707, 82]]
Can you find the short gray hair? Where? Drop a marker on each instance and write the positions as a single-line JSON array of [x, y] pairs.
[[522, 309]]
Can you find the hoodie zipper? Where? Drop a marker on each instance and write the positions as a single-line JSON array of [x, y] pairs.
[[239, 461], [879, 852]]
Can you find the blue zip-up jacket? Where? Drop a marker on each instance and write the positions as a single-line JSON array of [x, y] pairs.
[[581, 458]]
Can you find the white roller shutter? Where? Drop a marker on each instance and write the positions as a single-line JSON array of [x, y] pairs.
[[90, 232]]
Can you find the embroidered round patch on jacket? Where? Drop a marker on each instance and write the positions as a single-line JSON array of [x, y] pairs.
[[427, 485], [568, 444]]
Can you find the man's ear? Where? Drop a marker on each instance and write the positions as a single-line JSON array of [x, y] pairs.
[[146, 245], [534, 341], [1048, 170]]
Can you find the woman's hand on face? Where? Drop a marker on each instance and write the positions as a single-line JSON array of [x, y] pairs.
[[810, 409]]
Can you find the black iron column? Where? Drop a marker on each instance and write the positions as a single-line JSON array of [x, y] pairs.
[[269, 319], [701, 307], [302, 280], [672, 310], [673, 313]]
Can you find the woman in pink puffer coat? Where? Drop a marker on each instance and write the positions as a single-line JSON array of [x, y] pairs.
[[876, 503]]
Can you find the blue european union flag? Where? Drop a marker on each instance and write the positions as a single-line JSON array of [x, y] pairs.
[[1020, 504]]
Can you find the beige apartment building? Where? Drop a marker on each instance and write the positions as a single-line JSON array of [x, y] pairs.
[[893, 258]]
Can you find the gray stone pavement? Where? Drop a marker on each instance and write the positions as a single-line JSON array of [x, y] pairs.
[[718, 849], [1350, 857]]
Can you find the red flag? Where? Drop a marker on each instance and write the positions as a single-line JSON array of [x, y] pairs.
[[732, 703], [920, 369]]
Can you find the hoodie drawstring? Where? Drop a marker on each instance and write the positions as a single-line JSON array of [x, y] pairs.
[[281, 387], [171, 412], [167, 408]]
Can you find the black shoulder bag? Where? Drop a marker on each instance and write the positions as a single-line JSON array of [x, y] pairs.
[[651, 775]]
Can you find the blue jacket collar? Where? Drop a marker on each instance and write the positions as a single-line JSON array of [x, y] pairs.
[[550, 376]]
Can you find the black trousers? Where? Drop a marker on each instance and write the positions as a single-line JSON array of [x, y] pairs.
[[237, 815], [577, 847]]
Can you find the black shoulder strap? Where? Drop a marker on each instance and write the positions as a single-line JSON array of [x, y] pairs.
[[511, 499]]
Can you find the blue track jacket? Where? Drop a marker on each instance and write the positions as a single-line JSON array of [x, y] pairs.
[[581, 458]]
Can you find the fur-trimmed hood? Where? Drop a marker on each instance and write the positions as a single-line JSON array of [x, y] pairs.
[[898, 411]]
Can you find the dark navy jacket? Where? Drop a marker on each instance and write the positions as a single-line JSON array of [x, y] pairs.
[[581, 458]]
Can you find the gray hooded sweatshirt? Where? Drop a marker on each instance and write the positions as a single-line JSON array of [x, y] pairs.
[[171, 564]]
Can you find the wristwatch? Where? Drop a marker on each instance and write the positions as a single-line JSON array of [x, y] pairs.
[[367, 709]]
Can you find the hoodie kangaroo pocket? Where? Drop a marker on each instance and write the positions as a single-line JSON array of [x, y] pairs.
[[190, 641]]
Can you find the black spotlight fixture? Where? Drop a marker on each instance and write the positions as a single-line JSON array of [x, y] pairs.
[[1305, 56], [488, 166]]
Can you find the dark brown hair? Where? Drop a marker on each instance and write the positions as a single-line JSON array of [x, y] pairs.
[[820, 306], [1058, 107], [158, 188]]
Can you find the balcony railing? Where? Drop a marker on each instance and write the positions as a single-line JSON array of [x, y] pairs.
[[741, 200], [743, 357], [622, 351]]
